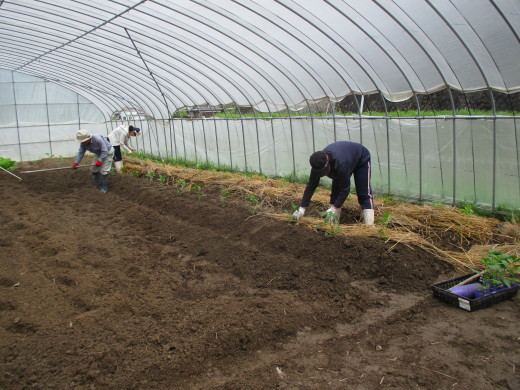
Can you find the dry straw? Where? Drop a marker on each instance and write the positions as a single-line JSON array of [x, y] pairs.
[[409, 224]]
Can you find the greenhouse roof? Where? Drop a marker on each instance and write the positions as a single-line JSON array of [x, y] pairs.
[[163, 55]]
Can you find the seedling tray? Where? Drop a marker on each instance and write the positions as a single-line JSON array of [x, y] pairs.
[[440, 291]]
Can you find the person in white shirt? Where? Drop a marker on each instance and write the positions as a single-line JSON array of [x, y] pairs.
[[120, 139]]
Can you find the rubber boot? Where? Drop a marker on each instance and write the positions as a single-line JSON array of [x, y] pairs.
[[118, 165], [97, 180], [368, 216], [104, 183]]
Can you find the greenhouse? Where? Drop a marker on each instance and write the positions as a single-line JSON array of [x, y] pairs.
[[193, 260], [285, 67]]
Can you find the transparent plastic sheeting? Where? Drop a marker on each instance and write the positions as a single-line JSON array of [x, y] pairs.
[[39, 118], [410, 157], [163, 55], [405, 161]]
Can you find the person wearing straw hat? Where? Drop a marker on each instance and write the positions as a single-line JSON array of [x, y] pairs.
[[339, 161], [119, 138], [102, 161]]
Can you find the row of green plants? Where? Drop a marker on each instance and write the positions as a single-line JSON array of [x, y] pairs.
[[234, 114], [468, 208], [499, 269], [208, 166], [181, 187]]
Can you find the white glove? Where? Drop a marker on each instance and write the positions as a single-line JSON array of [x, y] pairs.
[[299, 213], [335, 213]]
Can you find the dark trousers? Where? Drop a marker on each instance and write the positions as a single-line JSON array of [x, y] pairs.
[[117, 153], [363, 187]]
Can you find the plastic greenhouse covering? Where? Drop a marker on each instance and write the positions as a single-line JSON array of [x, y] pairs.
[[71, 64]]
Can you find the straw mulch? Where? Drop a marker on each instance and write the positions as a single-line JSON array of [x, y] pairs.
[[408, 224]]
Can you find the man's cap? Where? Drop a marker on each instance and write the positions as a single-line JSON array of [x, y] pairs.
[[83, 135], [319, 163]]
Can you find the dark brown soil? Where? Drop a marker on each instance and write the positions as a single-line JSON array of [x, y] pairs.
[[141, 288]]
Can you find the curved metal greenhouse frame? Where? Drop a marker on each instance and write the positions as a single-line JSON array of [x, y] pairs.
[[282, 61]]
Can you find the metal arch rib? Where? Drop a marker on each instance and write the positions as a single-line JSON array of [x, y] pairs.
[[84, 34], [271, 60]]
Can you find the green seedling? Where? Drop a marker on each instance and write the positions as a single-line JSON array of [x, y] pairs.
[[385, 218], [384, 221], [254, 202], [150, 176], [468, 209], [332, 221], [294, 207], [180, 185], [162, 179], [198, 191], [224, 196]]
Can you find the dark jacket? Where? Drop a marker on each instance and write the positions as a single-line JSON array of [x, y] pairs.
[[345, 157]]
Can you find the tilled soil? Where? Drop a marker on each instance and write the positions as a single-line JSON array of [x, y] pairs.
[[142, 288]]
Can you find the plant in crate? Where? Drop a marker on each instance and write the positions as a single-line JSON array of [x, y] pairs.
[[498, 281], [501, 271]]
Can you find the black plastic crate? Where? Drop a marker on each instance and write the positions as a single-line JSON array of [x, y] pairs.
[[440, 291]]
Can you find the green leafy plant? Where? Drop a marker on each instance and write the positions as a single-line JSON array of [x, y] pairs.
[[384, 222], [224, 196], [7, 163], [198, 190], [163, 179], [150, 176], [467, 209], [181, 185], [254, 202], [294, 207], [500, 269], [385, 218], [331, 220]]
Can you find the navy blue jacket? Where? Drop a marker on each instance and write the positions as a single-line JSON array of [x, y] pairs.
[[345, 158]]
